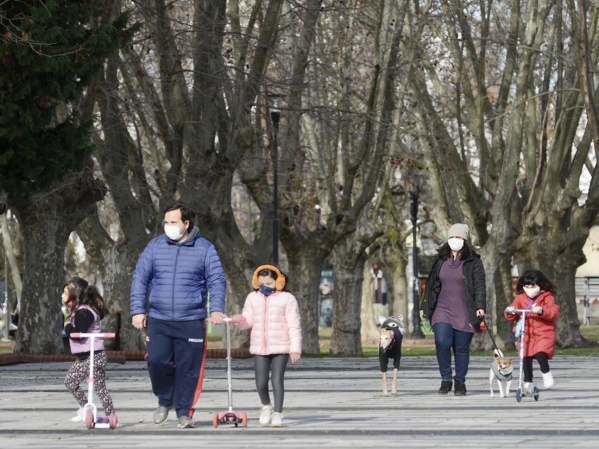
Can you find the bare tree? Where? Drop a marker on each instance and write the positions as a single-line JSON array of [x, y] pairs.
[[507, 139]]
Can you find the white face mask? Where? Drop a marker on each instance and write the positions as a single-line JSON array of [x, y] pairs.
[[174, 232], [532, 292], [456, 243]]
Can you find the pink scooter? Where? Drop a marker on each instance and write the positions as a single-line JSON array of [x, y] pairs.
[[230, 416], [90, 410]]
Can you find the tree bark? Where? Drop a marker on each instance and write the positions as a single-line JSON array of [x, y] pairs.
[[46, 222], [12, 260], [305, 268], [349, 257]]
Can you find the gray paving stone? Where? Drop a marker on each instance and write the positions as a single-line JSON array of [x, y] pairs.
[[329, 403]]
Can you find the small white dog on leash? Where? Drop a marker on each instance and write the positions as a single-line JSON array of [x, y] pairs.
[[501, 371]]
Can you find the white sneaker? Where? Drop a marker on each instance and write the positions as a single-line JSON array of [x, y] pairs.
[[265, 415], [79, 417], [529, 388], [277, 420], [548, 380]]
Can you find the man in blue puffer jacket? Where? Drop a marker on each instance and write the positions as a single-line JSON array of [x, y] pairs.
[[178, 269]]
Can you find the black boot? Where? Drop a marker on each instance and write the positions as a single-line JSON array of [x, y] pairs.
[[445, 387], [460, 388]]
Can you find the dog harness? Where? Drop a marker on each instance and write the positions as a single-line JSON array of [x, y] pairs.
[[498, 374]]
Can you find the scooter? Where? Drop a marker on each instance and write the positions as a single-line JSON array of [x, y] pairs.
[[90, 411], [522, 331], [230, 416]]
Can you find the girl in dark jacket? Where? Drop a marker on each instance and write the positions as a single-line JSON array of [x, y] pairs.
[[455, 303], [85, 318]]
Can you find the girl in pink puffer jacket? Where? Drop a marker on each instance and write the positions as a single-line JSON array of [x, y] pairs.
[[276, 337]]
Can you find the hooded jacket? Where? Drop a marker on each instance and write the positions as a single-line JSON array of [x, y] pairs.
[[476, 290], [178, 277], [539, 329], [275, 323]]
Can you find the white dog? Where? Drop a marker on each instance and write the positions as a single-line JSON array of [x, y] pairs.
[[501, 371]]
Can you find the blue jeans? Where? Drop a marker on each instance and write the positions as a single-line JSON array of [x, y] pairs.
[[446, 340]]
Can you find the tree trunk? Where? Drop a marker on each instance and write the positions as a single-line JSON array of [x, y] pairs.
[[399, 281], [121, 164], [349, 258], [46, 222], [239, 283], [116, 262], [560, 269], [12, 260], [305, 268], [503, 294], [369, 331]]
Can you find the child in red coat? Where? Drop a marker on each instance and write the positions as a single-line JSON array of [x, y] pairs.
[[536, 293]]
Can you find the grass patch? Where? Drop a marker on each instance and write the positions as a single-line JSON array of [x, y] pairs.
[[324, 334], [215, 338], [591, 333]]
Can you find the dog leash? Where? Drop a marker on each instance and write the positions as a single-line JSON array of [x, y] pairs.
[[490, 334]]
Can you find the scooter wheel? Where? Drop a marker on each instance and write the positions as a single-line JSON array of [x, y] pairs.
[[89, 419], [113, 421], [535, 393], [244, 419], [215, 419], [519, 395]]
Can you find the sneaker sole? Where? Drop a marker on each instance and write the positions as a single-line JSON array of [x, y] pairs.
[[186, 426], [265, 421], [165, 417]]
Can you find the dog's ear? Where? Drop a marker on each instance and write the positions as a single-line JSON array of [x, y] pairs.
[[401, 326], [382, 320]]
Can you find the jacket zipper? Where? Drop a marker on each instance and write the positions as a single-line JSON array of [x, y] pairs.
[[265, 325], [173, 283]]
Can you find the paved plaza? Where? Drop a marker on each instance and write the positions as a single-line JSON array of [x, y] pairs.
[[329, 403]]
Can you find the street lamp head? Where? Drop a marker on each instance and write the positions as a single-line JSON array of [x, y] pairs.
[[415, 180], [274, 105]]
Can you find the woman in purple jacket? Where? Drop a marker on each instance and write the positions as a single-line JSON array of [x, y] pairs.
[[455, 303]]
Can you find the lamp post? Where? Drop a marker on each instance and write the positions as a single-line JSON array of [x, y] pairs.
[[6, 317], [414, 197], [275, 116], [3, 209]]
